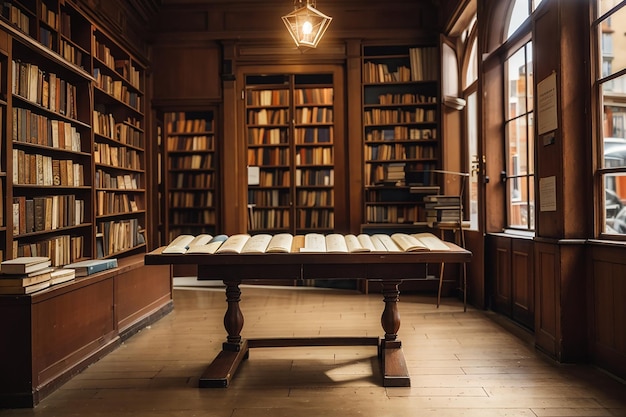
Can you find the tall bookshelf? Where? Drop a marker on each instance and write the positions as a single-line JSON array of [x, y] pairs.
[[50, 148], [290, 134], [400, 130], [5, 64], [191, 174], [119, 149], [73, 147]]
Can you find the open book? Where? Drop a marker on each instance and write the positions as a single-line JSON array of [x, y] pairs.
[[280, 243], [418, 242], [183, 242], [256, 244], [234, 244], [355, 245], [314, 242], [209, 247]]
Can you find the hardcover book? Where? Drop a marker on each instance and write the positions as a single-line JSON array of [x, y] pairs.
[[24, 264], [91, 266]]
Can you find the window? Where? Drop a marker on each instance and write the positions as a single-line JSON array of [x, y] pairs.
[[610, 95], [519, 139]]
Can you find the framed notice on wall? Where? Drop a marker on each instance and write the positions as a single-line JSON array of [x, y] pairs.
[[547, 120]]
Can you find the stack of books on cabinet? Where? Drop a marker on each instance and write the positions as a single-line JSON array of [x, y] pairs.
[[190, 159], [294, 189], [74, 102], [443, 209], [400, 119]]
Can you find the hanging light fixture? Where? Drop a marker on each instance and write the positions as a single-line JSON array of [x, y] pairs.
[[306, 24]]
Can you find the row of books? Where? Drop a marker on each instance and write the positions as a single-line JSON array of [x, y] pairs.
[[61, 249], [44, 89], [127, 132], [29, 274], [192, 180], [306, 243], [314, 115], [117, 89], [267, 97], [204, 161], [115, 203], [38, 169], [269, 198], [315, 218], [392, 214], [43, 213], [268, 116], [314, 156], [399, 133], [268, 156], [322, 95], [263, 136], [122, 67], [30, 127], [16, 17], [71, 53], [314, 135], [180, 124], [105, 179], [190, 143], [118, 236], [406, 98], [191, 199], [398, 151], [380, 116], [117, 156]]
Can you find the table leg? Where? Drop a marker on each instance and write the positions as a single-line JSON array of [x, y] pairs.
[[235, 349], [395, 372]]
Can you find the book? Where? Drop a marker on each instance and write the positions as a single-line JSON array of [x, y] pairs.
[[297, 243], [431, 241], [19, 290], [256, 244], [24, 280], [209, 247], [24, 264], [234, 244], [314, 242], [179, 245], [354, 245], [91, 266], [280, 243], [366, 242], [386, 241], [408, 243], [336, 243], [60, 275]]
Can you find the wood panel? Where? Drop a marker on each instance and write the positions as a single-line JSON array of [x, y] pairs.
[[547, 298], [523, 285], [608, 310], [184, 70]]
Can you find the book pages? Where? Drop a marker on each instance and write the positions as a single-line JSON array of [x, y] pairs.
[[336, 243], [256, 244], [314, 242], [210, 247], [297, 243], [179, 244], [234, 244], [353, 244], [280, 243], [408, 243], [366, 241], [387, 242], [431, 241], [379, 246]]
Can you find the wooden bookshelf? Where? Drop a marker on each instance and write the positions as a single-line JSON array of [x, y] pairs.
[[191, 175], [290, 136], [400, 130], [119, 149]]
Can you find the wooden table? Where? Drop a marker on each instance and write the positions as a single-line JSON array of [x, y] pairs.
[[390, 268]]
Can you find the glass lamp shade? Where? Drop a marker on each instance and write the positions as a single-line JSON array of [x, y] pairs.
[[306, 25]]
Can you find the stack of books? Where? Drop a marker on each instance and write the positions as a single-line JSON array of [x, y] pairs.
[[25, 275]]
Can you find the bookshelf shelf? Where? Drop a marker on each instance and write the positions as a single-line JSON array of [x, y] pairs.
[[400, 129]]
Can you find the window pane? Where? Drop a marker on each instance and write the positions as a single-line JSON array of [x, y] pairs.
[[615, 197], [612, 42], [606, 5], [531, 143], [517, 147], [516, 67], [521, 202], [518, 16], [474, 158], [472, 67], [529, 76]]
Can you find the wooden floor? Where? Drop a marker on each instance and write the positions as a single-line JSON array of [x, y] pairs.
[[461, 364]]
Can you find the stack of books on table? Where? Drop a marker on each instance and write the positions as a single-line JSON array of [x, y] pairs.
[[25, 275]]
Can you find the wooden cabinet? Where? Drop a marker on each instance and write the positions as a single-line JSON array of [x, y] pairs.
[[293, 152], [191, 160], [400, 130]]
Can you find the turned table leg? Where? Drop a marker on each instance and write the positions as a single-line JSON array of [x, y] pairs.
[[395, 372]]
